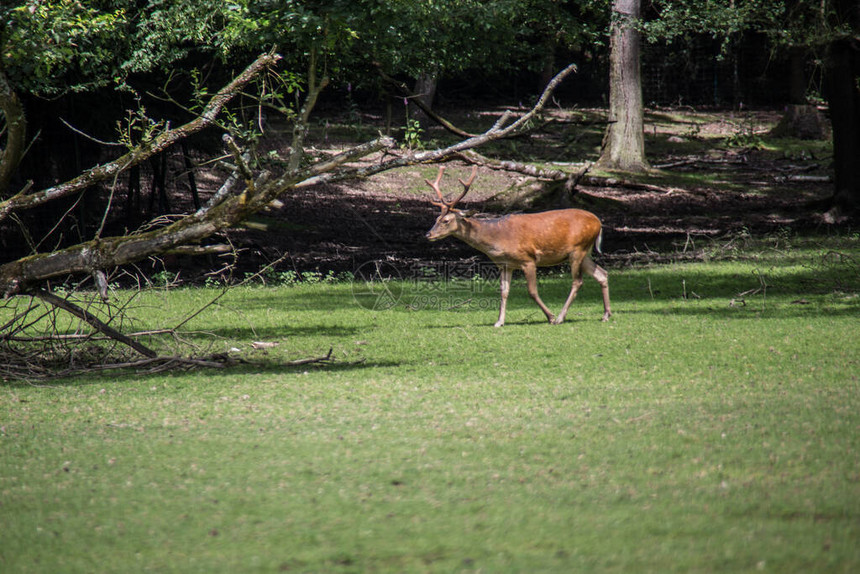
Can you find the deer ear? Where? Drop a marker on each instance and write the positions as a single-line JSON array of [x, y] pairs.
[[466, 212]]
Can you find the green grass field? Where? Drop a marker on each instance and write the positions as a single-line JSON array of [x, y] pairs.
[[715, 432]]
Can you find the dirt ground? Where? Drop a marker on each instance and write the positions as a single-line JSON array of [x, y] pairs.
[[704, 191]]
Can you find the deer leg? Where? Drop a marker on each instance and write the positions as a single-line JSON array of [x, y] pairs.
[[530, 271], [600, 275], [505, 284], [576, 261]]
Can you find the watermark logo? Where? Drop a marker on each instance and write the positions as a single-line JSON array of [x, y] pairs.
[[380, 286], [377, 286]]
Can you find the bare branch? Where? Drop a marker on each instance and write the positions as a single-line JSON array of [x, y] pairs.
[[474, 158], [218, 249], [89, 137], [240, 158], [224, 191], [145, 150], [161, 364]]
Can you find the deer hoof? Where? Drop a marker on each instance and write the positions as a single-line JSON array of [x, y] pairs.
[[556, 321], [499, 324]]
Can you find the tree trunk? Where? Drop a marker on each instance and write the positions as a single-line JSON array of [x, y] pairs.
[[843, 72], [548, 68], [797, 76], [16, 133], [425, 90], [189, 170], [801, 120], [624, 142]]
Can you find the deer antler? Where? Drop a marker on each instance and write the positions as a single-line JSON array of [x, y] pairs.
[[435, 185], [466, 185], [449, 205]]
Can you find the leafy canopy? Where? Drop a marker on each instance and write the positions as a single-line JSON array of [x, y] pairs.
[[51, 47]]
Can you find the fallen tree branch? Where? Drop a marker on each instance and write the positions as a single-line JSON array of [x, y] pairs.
[[93, 321], [19, 276], [160, 364], [474, 158], [570, 180], [608, 181], [810, 178], [218, 249]]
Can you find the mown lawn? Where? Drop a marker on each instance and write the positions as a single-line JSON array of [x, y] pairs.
[[715, 432]]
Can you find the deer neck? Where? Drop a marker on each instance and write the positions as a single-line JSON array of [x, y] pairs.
[[484, 236]]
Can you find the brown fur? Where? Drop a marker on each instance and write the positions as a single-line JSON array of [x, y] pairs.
[[530, 240]]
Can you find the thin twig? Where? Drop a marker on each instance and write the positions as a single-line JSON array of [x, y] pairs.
[[310, 360], [90, 137]]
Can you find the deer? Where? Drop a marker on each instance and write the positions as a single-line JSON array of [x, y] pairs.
[[526, 241]]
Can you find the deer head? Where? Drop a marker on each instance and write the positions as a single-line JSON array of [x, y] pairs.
[[450, 220]]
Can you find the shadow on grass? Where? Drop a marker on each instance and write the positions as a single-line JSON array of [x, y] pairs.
[[642, 284], [757, 311], [265, 366], [276, 367], [536, 321], [250, 333], [289, 299]]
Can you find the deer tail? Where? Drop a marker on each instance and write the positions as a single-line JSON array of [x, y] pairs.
[[599, 243]]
